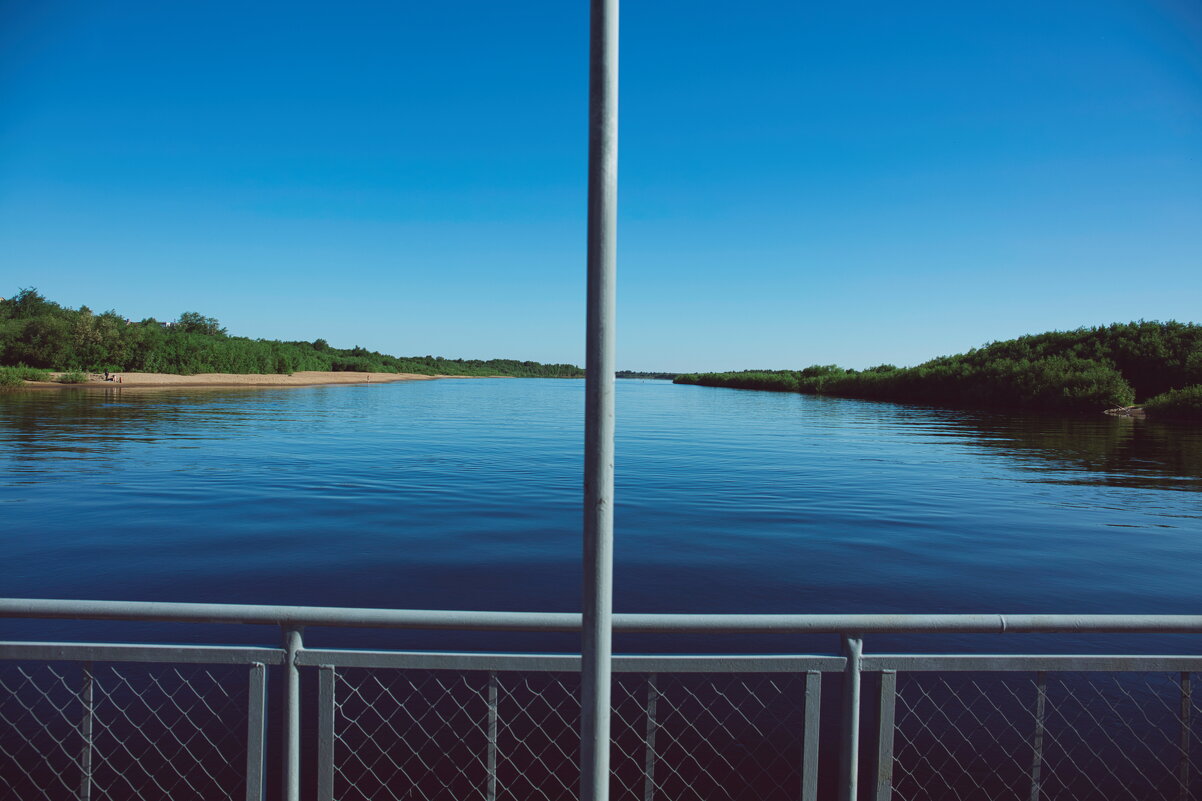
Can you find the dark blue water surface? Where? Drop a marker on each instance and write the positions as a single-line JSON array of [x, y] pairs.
[[466, 494]]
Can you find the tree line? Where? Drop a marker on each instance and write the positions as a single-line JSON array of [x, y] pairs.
[[645, 374], [39, 333], [1088, 369]]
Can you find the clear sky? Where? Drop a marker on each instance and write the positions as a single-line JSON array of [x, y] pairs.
[[799, 182]]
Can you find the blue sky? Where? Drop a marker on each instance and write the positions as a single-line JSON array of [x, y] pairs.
[[799, 183]]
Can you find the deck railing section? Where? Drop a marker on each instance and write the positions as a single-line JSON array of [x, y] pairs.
[[109, 721]]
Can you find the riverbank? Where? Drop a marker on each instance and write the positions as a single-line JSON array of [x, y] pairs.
[[1086, 371], [305, 378]]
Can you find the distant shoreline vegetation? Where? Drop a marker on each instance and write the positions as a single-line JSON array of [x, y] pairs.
[[640, 374], [1086, 370], [38, 333]]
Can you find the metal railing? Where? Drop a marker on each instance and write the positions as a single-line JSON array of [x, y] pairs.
[[116, 721]]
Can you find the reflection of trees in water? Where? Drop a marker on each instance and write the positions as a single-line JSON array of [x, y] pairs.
[[1129, 452], [1109, 450], [95, 422]]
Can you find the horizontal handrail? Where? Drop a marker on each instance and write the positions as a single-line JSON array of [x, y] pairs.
[[622, 663], [125, 652], [293, 616], [329, 666], [570, 663]]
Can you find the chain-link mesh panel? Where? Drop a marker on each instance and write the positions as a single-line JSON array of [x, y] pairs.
[[402, 734], [40, 743], [123, 731], [1077, 736], [410, 734], [711, 736], [538, 736]]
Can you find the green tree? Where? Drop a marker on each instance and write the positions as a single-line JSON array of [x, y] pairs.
[[197, 323]]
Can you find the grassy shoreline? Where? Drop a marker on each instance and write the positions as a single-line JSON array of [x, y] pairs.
[[306, 378]]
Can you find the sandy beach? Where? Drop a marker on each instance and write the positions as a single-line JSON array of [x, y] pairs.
[[299, 379]]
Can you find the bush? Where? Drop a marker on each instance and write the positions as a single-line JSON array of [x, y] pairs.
[[1179, 404], [15, 376], [1089, 369], [12, 376], [72, 377]]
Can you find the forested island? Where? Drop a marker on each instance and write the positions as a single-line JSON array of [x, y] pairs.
[[1158, 365], [38, 335]]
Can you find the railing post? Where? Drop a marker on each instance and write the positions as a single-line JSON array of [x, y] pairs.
[[853, 649], [1187, 705], [291, 729], [1041, 699], [86, 697], [325, 733], [884, 742], [492, 736], [810, 736], [597, 629], [256, 730], [652, 725]]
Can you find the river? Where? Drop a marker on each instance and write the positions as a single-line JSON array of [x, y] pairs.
[[466, 494]]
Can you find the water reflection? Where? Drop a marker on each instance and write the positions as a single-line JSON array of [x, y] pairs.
[[102, 423], [466, 494], [1117, 451]]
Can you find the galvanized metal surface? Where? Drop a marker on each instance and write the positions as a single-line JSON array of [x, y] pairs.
[[541, 663], [121, 652], [1123, 718], [325, 733], [1041, 703], [491, 793], [597, 627], [1186, 710], [809, 737], [87, 699], [256, 731], [886, 709], [944, 663], [622, 622], [293, 643], [849, 753], [649, 738]]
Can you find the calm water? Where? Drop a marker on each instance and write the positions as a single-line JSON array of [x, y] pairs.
[[466, 494]]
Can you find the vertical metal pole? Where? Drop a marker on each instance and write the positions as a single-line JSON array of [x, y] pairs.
[[1041, 700], [1186, 707], [291, 729], [86, 698], [492, 736], [652, 725], [599, 401], [809, 741], [884, 742], [256, 730], [853, 648], [325, 733]]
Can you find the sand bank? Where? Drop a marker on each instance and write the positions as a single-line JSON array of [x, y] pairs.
[[300, 379]]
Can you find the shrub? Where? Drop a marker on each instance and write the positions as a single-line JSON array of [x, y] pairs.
[[14, 376], [1180, 404], [1056, 383], [24, 373], [72, 377]]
